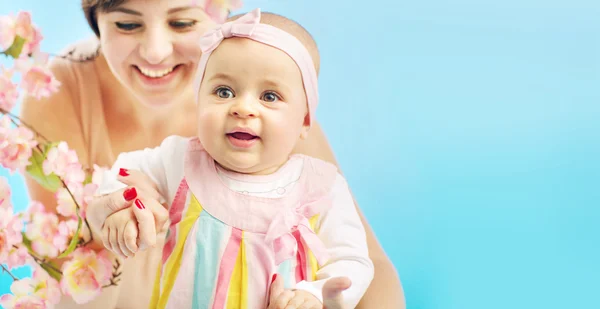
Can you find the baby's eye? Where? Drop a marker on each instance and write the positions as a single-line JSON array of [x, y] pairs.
[[127, 26], [270, 97], [224, 93]]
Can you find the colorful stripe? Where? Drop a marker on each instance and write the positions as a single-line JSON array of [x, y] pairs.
[[285, 270], [312, 260], [171, 269], [227, 264], [212, 235], [175, 213], [301, 258], [237, 297]]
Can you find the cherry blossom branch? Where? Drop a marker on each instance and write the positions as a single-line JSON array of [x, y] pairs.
[[9, 273], [30, 127]]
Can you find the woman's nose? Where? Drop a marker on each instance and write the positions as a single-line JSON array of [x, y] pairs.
[[156, 46]]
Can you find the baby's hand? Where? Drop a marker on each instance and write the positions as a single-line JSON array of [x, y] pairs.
[[120, 233], [296, 299], [291, 299]]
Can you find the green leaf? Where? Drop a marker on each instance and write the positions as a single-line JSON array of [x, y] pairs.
[[26, 242], [34, 169], [74, 240], [51, 271], [15, 49], [88, 178]]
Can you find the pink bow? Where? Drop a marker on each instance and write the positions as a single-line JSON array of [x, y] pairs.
[[241, 27], [284, 243]]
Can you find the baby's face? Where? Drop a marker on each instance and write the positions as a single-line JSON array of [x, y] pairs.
[[252, 107]]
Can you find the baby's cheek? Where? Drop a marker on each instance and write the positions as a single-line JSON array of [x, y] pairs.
[[208, 122]]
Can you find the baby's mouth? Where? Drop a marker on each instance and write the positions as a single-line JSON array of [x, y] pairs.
[[242, 136]]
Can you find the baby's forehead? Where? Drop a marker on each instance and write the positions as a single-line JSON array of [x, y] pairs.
[[242, 58], [293, 28]]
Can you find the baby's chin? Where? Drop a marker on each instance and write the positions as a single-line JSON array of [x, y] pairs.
[[242, 165]]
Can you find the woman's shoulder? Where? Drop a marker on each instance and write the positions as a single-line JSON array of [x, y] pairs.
[[75, 61], [83, 50], [63, 115]]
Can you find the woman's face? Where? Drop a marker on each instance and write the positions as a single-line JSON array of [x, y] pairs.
[[151, 46]]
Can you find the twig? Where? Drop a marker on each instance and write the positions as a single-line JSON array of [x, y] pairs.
[[9, 273], [114, 280], [41, 261], [78, 208], [30, 127]]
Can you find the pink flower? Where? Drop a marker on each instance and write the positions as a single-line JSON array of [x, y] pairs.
[[5, 193], [10, 232], [218, 10], [43, 232], [7, 32], [74, 174], [39, 82], [66, 205], [34, 208], [37, 79], [98, 174], [66, 231], [28, 31], [64, 162], [40, 291], [17, 257], [8, 90], [85, 275], [15, 145]]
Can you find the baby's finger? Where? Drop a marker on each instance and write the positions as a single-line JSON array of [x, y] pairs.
[[295, 302], [130, 236], [146, 223], [141, 181], [277, 287], [283, 299], [114, 241], [311, 304]]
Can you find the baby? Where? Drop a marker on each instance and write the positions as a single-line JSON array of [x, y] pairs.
[[243, 208]]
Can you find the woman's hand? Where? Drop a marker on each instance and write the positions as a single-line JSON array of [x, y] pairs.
[[140, 190]]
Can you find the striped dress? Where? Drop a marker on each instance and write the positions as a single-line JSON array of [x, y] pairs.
[[223, 247]]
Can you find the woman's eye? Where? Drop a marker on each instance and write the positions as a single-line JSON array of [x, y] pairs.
[[224, 93], [270, 97], [127, 26], [179, 24]]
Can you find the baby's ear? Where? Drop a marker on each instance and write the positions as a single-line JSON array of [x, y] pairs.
[[305, 127]]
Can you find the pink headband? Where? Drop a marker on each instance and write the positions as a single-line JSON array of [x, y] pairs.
[[249, 26]]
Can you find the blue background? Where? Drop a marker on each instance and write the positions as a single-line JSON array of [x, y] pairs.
[[468, 130]]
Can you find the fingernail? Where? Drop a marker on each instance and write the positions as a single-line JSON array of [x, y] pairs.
[[123, 172], [129, 194], [139, 204], [273, 279]]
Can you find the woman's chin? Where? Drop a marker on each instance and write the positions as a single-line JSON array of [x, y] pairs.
[[157, 101]]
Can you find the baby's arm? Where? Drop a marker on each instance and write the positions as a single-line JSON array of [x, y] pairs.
[[145, 172], [344, 236]]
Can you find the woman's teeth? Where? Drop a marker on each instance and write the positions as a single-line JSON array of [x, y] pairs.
[[155, 74]]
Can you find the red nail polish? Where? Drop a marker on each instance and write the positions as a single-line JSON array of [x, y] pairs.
[[273, 279], [129, 194], [139, 204], [123, 172]]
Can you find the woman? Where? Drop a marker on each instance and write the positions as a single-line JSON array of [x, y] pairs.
[[131, 95]]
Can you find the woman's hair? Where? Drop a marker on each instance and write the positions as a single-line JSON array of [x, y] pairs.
[[91, 8]]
